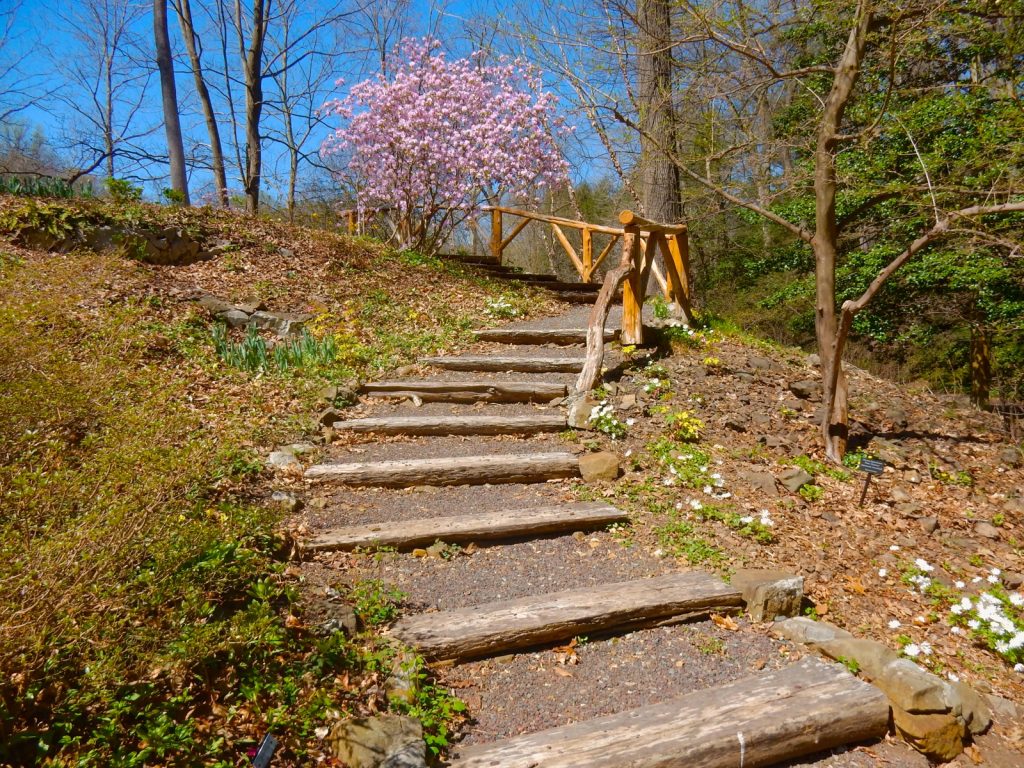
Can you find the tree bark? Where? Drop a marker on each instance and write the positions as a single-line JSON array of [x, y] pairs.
[[169, 95], [184, 10], [659, 180], [834, 426], [252, 64]]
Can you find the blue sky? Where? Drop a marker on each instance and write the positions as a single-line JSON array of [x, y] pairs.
[[44, 48]]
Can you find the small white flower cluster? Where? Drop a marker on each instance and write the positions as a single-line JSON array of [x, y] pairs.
[[988, 616], [766, 519], [919, 580], [913, 650], [603, 418], [652, 385], [500, 308]]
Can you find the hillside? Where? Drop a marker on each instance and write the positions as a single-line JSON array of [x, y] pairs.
[[148, 539]]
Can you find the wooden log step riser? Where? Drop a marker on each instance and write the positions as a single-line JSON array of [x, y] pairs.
[[528, 622], [455, 425], [541, 336], [776, 717], [463, 529], [498, 363], [460, 470], [468, 391]]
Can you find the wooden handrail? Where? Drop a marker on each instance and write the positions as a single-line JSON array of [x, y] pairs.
[[631, 219], [573, 223]]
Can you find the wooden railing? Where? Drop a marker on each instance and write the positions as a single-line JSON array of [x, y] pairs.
[[584, 261], [641, 241]]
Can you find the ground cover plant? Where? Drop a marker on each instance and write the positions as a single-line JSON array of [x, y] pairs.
[[155, 618]]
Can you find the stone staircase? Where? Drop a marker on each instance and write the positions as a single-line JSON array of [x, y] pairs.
[[517, 391]]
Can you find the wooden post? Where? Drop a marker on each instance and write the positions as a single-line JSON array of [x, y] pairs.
[[632, 291], [351, 216], [679, 251], [496, 235], [588, 254]]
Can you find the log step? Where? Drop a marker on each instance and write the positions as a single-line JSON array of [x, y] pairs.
[[456, 425], [484, 526], [557, 285], [771, 718], [507, 363], [460, 470], [471, 258], [541, 335], [468, 391], [526, 622]]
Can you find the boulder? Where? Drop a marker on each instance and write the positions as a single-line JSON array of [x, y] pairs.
[[912, 688], [382, 741], [769, 593], [761, 481], [929, 524], [603, 465], [235, 318], [328, 416], [281, 323], [970, 706], [872, 658], [806, 389], [986, 530], [938, 736], [214, 305], [285, 501], [794, 478], [1011, 456], [283, 460], [578, 414], [801, 629]]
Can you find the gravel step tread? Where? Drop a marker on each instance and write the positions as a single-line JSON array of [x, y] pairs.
[[762, 720], [500, 627], [456, 424], [468, 391], [567, 336], [473, 527]]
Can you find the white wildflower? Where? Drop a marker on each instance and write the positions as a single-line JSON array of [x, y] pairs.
[[894, 547], [883, 572], [913, 650], [923, 565], [895, 624], [959, 584]]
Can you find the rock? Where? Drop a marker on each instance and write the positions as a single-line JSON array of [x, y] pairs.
[[911, 688], [794, 477], [405, 370], [281, 323], [769, 593], [403, 682], [382, 741], [736, 424], [897, 416], [298, 449], [900, 496], [814, 360], [627, 401], [871, 657], [806, 389], [929, 524], [1014, 506], [285, 501], [328, 394], [759, 363], [911, 476], [328, 416], [341, 617], [235, 318], [1012, 580], [745, 377], [938, 736], [578, 415], [761, 419], [986, 530], [1004, 710], [603, 465], [251, 305], [1011, 457], [283, 460], [761, 481], [213, 305], [908, 508], [800, 629], [970, 706]]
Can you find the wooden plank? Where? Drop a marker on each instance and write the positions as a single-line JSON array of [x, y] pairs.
[[559, 285], [567, 247], [506, 363], [606, 250], [775, 717], [575, 224], [540, 335], [590, 374], [468, 391], [526, 622], [456, 424], [632, 296], [462, 529], [460, 470]]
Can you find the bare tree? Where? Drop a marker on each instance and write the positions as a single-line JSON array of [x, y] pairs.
[[106, 73], [183, 8], [169, 97]]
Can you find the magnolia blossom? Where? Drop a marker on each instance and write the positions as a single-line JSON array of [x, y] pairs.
[[437, 137]]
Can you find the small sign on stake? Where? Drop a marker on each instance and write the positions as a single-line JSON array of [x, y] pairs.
[[869, 467], [265, 752]]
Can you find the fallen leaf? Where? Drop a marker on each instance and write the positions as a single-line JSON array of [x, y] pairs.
[[725, 622], [562, 671]]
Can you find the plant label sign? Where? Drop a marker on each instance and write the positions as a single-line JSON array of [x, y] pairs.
[[869, 467]]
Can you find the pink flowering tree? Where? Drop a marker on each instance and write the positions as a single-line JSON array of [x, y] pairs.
[[438, 138]]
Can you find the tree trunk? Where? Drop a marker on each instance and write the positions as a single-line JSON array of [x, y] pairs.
[[981, 364], [834, 425], [169, 94], [188, 32], [659, 181], [252, 62]]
